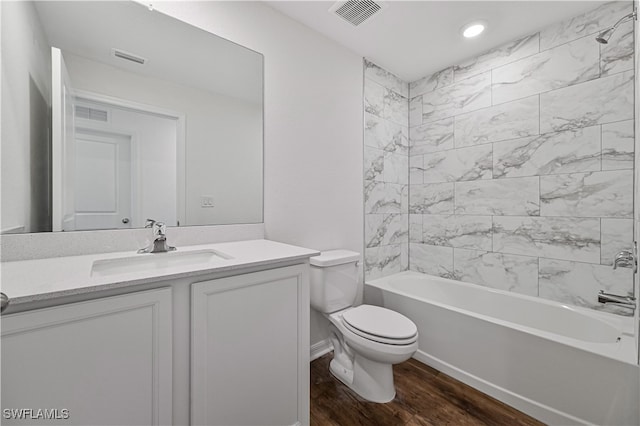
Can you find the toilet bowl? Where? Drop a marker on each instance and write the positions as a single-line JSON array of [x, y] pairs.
[[364, 361], [367, 340]]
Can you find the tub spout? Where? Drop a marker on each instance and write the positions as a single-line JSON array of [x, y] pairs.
[[615, 299]]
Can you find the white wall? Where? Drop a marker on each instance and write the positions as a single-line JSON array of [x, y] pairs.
[[223, 155], [313, 125], [25, 55]]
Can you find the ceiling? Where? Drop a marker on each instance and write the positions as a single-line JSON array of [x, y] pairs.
[[415, 38], [176, 52]]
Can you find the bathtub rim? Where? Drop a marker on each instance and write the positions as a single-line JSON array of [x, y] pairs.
[[624, 350]]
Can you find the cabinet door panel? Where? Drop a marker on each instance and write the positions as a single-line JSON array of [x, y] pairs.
[[106, 361], [245, 348]]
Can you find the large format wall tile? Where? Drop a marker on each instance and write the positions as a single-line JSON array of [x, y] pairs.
[[385, 135], [497, 270], [432, 260], [498, 197], [596, 194], [472, 232], [416, 169], [519, 162], [383, 260], [496, 57], [562, 66], [618, 145], [431, 82], [465, 96], [396, 167], [435, 198], [588, 23], [506, 121], [415, 228], [374, 98], [385, 78], [576, 150], [431, 137], [604, 100], [382, 197], [616, 235], [553, 237], [415, 111], [386, 229], [617, 56], [385, 103], [373, 164], [458, 164], [579, 283]]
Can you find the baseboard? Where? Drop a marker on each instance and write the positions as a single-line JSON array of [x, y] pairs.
[[534, 409], [320, 348]]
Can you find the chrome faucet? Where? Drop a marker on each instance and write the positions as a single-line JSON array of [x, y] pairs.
[[614, 299], [624, 259], [159, 243]]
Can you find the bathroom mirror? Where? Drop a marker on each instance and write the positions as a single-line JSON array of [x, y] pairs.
[[113, 113]]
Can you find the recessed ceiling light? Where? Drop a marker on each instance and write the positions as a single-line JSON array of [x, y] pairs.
[[473, 29]]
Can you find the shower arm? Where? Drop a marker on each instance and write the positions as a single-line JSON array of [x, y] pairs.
[[632, 15]]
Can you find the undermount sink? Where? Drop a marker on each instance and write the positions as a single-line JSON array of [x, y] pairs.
[[155, 261]]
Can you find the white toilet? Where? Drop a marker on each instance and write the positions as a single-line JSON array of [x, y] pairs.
[[367, 340]]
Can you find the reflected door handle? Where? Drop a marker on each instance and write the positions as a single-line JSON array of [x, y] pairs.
[[125, 220]]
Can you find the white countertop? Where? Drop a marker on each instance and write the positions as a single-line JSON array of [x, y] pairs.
[[44, 279]]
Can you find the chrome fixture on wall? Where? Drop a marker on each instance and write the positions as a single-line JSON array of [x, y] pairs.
[[627, 259], [615, 299], [4, 302], [624, 259], [605, 35]]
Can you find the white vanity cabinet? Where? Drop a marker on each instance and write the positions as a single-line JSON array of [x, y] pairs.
[[107, 361], [223, 345], [250, 349]]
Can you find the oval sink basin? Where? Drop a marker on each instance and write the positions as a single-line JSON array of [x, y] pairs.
[[155, 261]]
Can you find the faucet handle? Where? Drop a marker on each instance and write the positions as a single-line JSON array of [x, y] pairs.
[[627, 259], [159, 229], [149, 223]]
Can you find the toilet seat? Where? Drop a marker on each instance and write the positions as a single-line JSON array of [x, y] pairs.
[[380, 325]]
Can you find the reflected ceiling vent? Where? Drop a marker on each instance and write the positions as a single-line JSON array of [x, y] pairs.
[[89, 113], [356, 11], [128, 56]]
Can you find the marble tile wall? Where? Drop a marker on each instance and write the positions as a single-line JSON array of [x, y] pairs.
[[386, 172], [520, 165]]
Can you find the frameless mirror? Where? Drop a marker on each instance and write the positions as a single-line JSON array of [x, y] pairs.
[[113, 113]]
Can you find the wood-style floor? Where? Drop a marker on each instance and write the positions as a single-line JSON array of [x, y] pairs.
[[424, 397]]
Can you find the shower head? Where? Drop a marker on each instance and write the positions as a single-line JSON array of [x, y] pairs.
[[604, 36]]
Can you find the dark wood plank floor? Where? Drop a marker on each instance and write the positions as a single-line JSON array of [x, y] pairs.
[[424, 397]]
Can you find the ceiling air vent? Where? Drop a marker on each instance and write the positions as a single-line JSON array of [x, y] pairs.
[[89, 113], [128, 56], [356, 11]]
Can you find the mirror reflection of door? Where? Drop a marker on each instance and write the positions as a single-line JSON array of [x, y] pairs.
[[103, 180], [114, 161], [151, 179]]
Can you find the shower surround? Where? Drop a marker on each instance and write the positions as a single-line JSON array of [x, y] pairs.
[[520, 165]]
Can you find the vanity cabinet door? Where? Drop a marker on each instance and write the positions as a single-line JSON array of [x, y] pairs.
[[250, 349], [100, 362]]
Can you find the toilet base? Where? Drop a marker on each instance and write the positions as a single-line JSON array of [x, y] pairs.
[[371, 380]]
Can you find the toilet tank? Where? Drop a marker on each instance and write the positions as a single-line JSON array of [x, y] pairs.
[[334, 280]]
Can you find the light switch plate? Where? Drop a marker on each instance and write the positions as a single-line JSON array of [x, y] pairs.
[[206, 201]]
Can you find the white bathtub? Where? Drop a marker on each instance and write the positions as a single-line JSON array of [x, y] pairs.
[[560, 364]]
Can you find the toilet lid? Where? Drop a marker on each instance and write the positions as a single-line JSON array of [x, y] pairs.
[[380, 322]]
